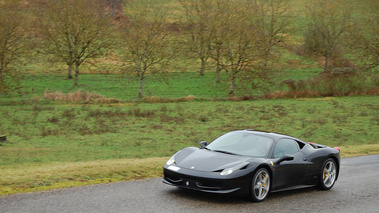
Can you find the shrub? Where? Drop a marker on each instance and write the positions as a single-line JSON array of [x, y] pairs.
[[79, 97], [336, 82]]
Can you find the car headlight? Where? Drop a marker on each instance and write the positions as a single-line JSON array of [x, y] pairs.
[[230, 170], [170, 161]]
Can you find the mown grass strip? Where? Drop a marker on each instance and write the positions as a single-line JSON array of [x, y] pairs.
[[359, 150], [37, 177]]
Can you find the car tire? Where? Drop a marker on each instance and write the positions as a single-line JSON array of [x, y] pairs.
[[260, 185], [328, 174]]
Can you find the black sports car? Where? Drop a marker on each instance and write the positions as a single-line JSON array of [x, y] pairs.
[[253, 163]]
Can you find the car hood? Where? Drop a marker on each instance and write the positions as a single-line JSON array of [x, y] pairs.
[[206, 160]]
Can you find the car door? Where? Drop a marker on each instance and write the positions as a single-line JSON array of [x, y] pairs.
[[288, 172]]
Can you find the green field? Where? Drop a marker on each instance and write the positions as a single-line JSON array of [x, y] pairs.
[[55, 145], [175, 85]]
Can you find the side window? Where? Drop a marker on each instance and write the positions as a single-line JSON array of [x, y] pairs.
[[285, 146]]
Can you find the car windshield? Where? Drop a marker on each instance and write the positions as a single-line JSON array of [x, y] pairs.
[[242, 143]]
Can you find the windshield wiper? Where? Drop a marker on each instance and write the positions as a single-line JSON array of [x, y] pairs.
[[226, 152], [207, 149]]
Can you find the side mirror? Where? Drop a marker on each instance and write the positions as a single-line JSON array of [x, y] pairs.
[[203, 144], [285, 158]]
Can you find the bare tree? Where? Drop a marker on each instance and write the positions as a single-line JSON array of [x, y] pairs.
[[237, 35], [11, 45], [219, 26], [327, 22], [240, 46], [364, 39], [145, 42], [274, 20], [199, 17], [75, 30]]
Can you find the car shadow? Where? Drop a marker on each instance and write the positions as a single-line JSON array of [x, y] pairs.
[[203, 196], [287, 193], [185, 194]]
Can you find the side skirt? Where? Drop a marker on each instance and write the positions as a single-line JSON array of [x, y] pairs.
[[292, 188]]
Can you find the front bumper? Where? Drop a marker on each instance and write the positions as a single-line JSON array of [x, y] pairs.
[[212, 182]]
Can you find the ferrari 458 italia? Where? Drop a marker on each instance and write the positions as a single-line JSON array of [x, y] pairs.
[[253, 163]]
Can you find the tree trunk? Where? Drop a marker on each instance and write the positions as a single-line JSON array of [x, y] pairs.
[[232, 84], [70, 71], [76, 75], [218, 68], [218, 73], [326, 62], [266, 58], [202, 68], [113, 7], [140, 88]]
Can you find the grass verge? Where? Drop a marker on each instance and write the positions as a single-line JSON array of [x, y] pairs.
[[37, 177]]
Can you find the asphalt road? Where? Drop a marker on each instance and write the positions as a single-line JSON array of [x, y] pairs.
[[357, 190]]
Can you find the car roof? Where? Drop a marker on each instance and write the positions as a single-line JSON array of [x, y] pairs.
[[267, 134]]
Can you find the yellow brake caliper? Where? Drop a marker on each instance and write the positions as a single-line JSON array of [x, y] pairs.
[[265, 183]]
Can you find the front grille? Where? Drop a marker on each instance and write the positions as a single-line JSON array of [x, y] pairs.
[[192, 182], [209, 185], [173, 178]]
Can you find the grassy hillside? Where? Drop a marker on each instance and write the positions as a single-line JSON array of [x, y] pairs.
[[52, 146], [71, 132]]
